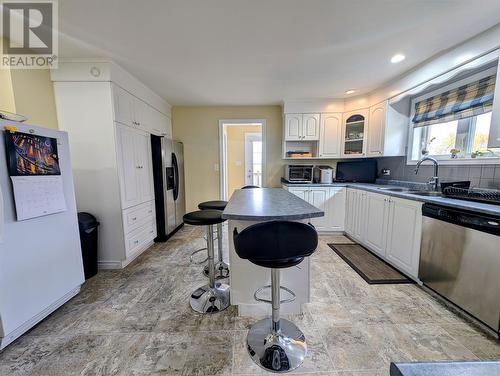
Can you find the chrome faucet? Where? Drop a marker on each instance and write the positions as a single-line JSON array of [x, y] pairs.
[[434, 181]]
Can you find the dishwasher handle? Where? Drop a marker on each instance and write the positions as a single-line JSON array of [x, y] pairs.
[[473, 220]]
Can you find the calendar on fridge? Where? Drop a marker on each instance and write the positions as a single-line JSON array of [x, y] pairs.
[[36, 196]]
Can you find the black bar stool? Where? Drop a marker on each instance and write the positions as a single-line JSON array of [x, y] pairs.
[[221, 268], [275, 344], [213, 297]]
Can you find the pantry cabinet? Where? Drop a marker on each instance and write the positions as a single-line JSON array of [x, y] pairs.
[[388, 226], [329, 199]]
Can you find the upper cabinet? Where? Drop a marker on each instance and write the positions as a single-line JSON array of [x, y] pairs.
[[301, 127], [377, 129], [330, 131], [133, 112], [355, 133], [310, 127]]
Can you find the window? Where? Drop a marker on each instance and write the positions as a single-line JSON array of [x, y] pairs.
[[454, 122]]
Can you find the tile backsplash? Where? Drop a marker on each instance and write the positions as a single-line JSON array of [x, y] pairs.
[[483, 176]]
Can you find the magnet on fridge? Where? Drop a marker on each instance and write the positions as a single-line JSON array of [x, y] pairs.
[[11, 128]]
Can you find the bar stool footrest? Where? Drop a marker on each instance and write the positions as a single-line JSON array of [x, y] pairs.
[[289, 300]]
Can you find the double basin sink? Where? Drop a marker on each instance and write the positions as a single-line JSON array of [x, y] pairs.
[[414, 191]]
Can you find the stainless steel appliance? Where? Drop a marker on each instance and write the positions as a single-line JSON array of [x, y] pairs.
[[326, 174], [299, 173], [168, 174], [460, 260]]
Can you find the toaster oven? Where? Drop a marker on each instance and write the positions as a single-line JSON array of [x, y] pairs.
[[299, 173]]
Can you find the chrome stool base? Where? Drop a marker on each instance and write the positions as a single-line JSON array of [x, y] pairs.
[[208, 299], [281, 351], [221, 270]]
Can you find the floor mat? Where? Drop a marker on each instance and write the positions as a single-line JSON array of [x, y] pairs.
[[371, 268]]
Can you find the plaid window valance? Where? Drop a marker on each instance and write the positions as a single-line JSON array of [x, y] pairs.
[[472, 99]]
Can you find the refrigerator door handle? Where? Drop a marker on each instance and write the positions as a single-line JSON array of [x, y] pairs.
[[176, 176], [2, 215]]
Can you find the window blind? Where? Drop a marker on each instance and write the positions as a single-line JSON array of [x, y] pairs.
[[474, 98]]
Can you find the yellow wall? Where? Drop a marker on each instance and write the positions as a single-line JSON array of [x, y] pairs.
[[29, 92], [198, 128], [34, 96], [236, 155]]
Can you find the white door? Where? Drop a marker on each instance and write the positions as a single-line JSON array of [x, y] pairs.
[[293, 127], [123, 106], [320, 197], [330, 141], [301, 192], [403, 236], [127, 166], [377, 127], [253, 159], [376, 222], [310, 126], [145, 172], [337, 209]]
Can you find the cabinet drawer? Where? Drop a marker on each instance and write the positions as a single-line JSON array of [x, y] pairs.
[[138, 238], [136, 216]]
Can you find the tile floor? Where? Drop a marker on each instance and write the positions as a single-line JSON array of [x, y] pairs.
[[138, 321]]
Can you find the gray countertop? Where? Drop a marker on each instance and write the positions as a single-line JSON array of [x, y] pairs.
[[446, 369], [489, 209], [264, 204]]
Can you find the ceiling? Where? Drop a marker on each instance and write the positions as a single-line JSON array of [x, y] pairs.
[[240, 52]]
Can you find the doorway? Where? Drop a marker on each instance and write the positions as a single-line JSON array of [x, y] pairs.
[[242, 154]]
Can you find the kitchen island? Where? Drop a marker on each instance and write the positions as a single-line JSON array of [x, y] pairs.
[[250, 206]]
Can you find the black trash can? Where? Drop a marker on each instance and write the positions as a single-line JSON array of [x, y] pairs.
[[88, 224]]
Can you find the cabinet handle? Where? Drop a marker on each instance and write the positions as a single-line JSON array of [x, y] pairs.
[[134, 219], [136, 241]]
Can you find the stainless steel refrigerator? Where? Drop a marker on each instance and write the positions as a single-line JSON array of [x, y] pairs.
[[168, 174]]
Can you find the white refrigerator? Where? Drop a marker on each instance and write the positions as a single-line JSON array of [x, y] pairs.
[[40, 254]]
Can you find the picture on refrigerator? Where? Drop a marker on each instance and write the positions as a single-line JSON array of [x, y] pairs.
[[30, 154]]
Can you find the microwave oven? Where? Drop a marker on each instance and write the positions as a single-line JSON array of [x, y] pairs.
[[299, 173]]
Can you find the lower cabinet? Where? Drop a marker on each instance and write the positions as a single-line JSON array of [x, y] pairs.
[[329, 199], [388, 226]]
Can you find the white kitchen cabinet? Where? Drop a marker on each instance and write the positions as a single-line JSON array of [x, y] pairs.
[[330, 139], [388, 226], [403, 234], [310, 127], [134, 166], [329, 199], [293, 127], [378, 115], [123, 106], [355, 133], [376, 222], [302, 127]]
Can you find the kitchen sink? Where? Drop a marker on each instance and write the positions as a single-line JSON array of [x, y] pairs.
[[426, 193], [396, 189]]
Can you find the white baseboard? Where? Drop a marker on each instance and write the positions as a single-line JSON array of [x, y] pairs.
[[16, 333], [120, 264]]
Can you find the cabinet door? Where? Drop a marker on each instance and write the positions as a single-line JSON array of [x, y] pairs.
[[301, 192], [145, 172], [320, 197], [310, 126], [123, 106], [354, 133], [360, 215], [403, 235], [330, 139], [376, 222], [337, 209], [293, 127], [350, 211], [141, 114], [128, 166], [377, 128]]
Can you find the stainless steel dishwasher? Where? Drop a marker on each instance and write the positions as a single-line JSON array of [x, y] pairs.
[[460, 260]]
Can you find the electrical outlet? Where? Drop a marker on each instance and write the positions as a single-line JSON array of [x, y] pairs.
[[386, 172], [216, 167]]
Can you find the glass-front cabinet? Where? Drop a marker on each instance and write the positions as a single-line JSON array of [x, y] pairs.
[[355, 132]]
